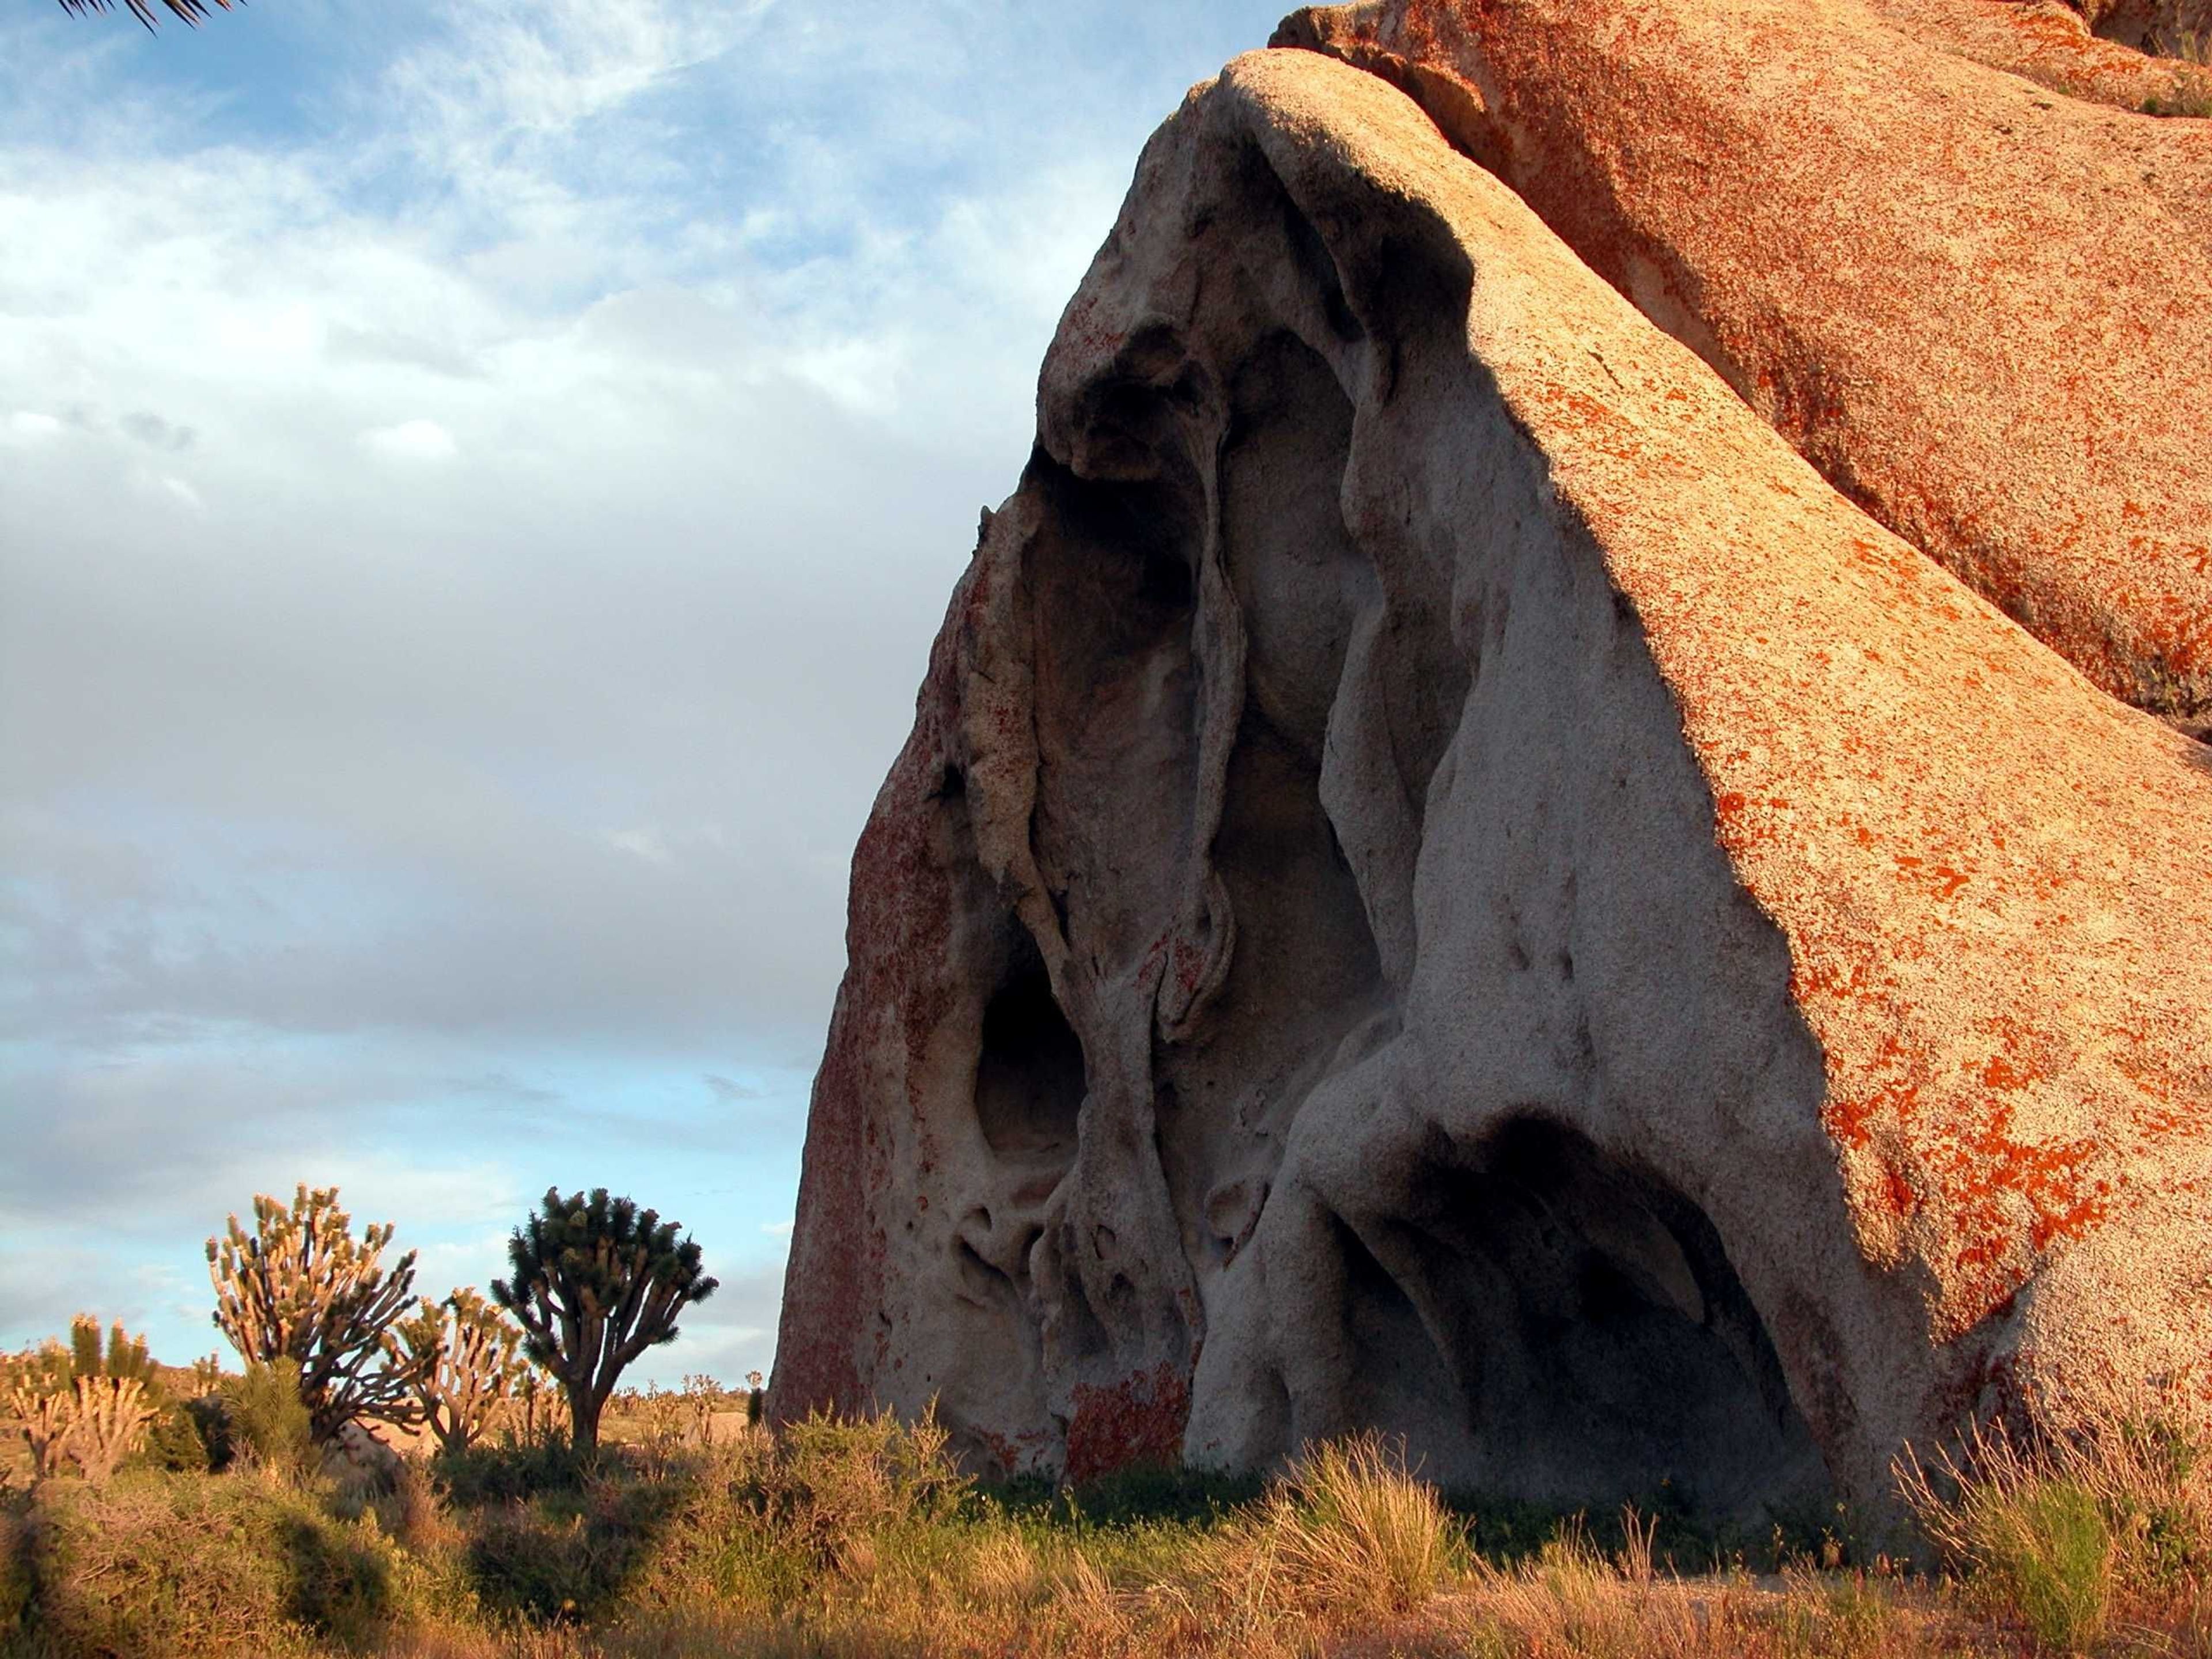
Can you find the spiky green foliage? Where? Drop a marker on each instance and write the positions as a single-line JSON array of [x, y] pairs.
[[84, 1346], [595, 1282], [123, 1357], [191, 11], [302, 1287], [178, 1438], [474, 1365], [267, 1425]]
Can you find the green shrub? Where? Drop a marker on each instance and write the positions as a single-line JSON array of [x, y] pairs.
[[175, 1442], [2056, 1533], [1146, 1493], [506, 1475], [833, 1482], [2048, 1552], [211, 1418], [560, 1561], [15, 1575], [269, 1423], [158, 1565]]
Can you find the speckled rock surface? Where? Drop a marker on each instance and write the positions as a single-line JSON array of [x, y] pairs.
[[1444, 877], [1977, 305], [2054, 45]]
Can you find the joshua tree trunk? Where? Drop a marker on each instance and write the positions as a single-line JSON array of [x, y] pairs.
[[584, 1406], [47, 1420]]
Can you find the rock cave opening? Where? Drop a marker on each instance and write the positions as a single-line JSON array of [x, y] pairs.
[[1545, 1320], [1030, 1075]]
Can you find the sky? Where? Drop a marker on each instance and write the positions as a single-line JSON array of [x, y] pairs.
[[476, 487]]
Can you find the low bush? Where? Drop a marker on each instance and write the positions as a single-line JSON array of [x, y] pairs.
[[159, 1566], [831, 1485], [509, 1474], [569, 1556], [862, 1538], [2061, 1534], [14, 1574], [177, 1442]]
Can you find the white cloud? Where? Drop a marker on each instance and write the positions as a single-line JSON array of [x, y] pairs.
[[318, 792], [410, 441], [645, 843], [181, 492]]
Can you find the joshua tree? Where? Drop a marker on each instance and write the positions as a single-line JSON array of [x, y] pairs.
[[47, 1420], [111, 1415], [474, 1365], [190, 10], [300, 1287], [596, 1282], [90, 1408]]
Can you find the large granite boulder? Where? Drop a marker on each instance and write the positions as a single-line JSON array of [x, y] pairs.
[[1444, 877], [1975, 304]]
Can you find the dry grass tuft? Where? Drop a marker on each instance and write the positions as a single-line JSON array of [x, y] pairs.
[[2111, 1523], [1349, 1531], [2192, 90]]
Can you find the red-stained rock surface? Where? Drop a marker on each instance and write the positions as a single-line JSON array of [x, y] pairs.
[[1445, 877], [1972, 302], [2051, 43]]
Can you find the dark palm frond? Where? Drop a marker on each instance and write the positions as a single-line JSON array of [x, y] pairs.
[[190, 10]]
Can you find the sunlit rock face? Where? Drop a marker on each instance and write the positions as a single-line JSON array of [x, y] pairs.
[[1917, 237], [1445, 878]]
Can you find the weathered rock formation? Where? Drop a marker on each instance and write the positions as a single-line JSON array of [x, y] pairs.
[[1445, 877], [2125, 54], [1965, 299]]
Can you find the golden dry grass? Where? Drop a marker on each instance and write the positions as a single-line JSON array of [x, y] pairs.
[[859, 1538]]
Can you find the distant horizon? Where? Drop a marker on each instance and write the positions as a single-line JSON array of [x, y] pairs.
[[477, 491]]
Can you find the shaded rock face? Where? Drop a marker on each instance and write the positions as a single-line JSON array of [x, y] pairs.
[[1444, 879], [2159, 26], [1966, 298]]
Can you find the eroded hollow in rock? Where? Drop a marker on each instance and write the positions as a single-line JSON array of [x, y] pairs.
[[2164, 28], [1028, 1078], [1543, 1317]]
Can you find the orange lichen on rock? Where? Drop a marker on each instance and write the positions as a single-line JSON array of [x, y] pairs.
[[1976, 306], [1948, 984]]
